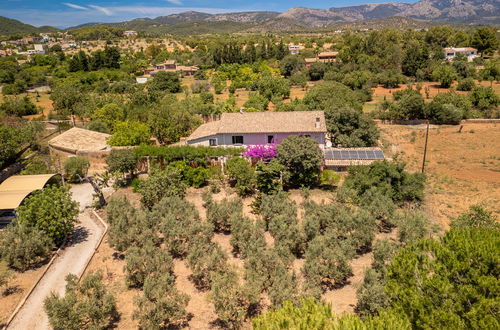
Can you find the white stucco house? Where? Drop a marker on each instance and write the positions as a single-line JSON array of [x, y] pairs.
[[469, 53]]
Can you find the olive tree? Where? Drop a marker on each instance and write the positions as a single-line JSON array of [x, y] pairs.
[[206, 259], [327, 262], [371, 294], [179, 222], [144, 261], [219, 213], [246, 236], [161, 306], [24, 246], [86, 305], [128, 226], [231, 302]]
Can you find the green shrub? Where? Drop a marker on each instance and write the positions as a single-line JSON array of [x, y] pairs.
[[267, 270], [449, 282], [329, 178], [242, 175], [24, 246], [129, 133], [185, 153], [231, 302], [160, 184], [326, 264], [315, 315], [122, 161], [383, 252], [445, 74], [475, 217], [484, 98], [466, 84], [390, 178], [179, 223], [52, 210], [192, 176], [18, 106], [75, 169], [412, 225], [356, 228], [246, 237], [371, 294], [86, 305], [98, 125], [122, 217]]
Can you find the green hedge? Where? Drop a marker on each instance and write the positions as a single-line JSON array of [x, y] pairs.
[[186, 153]]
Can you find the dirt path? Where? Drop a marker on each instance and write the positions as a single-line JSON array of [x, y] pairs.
[[72, 259]]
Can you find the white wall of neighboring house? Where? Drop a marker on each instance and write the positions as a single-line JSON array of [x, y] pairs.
[[469, 53]]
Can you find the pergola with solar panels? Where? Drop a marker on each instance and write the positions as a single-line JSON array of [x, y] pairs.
[[349, 154], [341, 158]]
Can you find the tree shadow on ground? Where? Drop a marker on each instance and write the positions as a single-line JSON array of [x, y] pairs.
[[79, 235]]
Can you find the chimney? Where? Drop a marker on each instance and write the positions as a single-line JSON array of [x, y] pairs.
[[318, 122]]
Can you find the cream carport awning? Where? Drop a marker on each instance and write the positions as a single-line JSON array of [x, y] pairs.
[[16, 188]]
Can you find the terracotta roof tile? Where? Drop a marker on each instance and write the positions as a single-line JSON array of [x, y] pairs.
[[263, 122]]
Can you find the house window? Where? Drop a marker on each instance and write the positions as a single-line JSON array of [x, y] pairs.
[[212, 142], [237, 139], [270, 139]]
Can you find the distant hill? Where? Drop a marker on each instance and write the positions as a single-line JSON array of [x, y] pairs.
[[462, 11], [278, 24], [390, 14], [11, 26]]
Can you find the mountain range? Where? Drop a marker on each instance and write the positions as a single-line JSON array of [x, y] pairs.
[[301, 18]]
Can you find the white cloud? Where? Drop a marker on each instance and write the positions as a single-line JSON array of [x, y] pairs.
[[72, 5], [175, 2], [106, 11]]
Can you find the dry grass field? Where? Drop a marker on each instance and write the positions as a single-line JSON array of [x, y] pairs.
[[16, 289], [462, 168], [43, 101]]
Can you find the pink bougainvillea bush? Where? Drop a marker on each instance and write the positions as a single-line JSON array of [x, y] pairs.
[[261, 152]]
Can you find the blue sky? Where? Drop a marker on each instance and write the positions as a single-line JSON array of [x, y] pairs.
[[73, 12]]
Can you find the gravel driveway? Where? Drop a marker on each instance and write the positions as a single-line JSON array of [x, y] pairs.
[[71, 260]]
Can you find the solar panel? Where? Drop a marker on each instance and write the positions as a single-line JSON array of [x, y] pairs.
[[346, 154], [379, 154]]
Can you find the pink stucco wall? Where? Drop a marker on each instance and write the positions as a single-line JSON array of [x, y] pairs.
[[255, 138]]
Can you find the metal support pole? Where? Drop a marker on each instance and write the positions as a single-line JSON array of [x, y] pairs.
[[425, 147]]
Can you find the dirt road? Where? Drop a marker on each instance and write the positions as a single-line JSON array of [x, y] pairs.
[[71, 260]]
